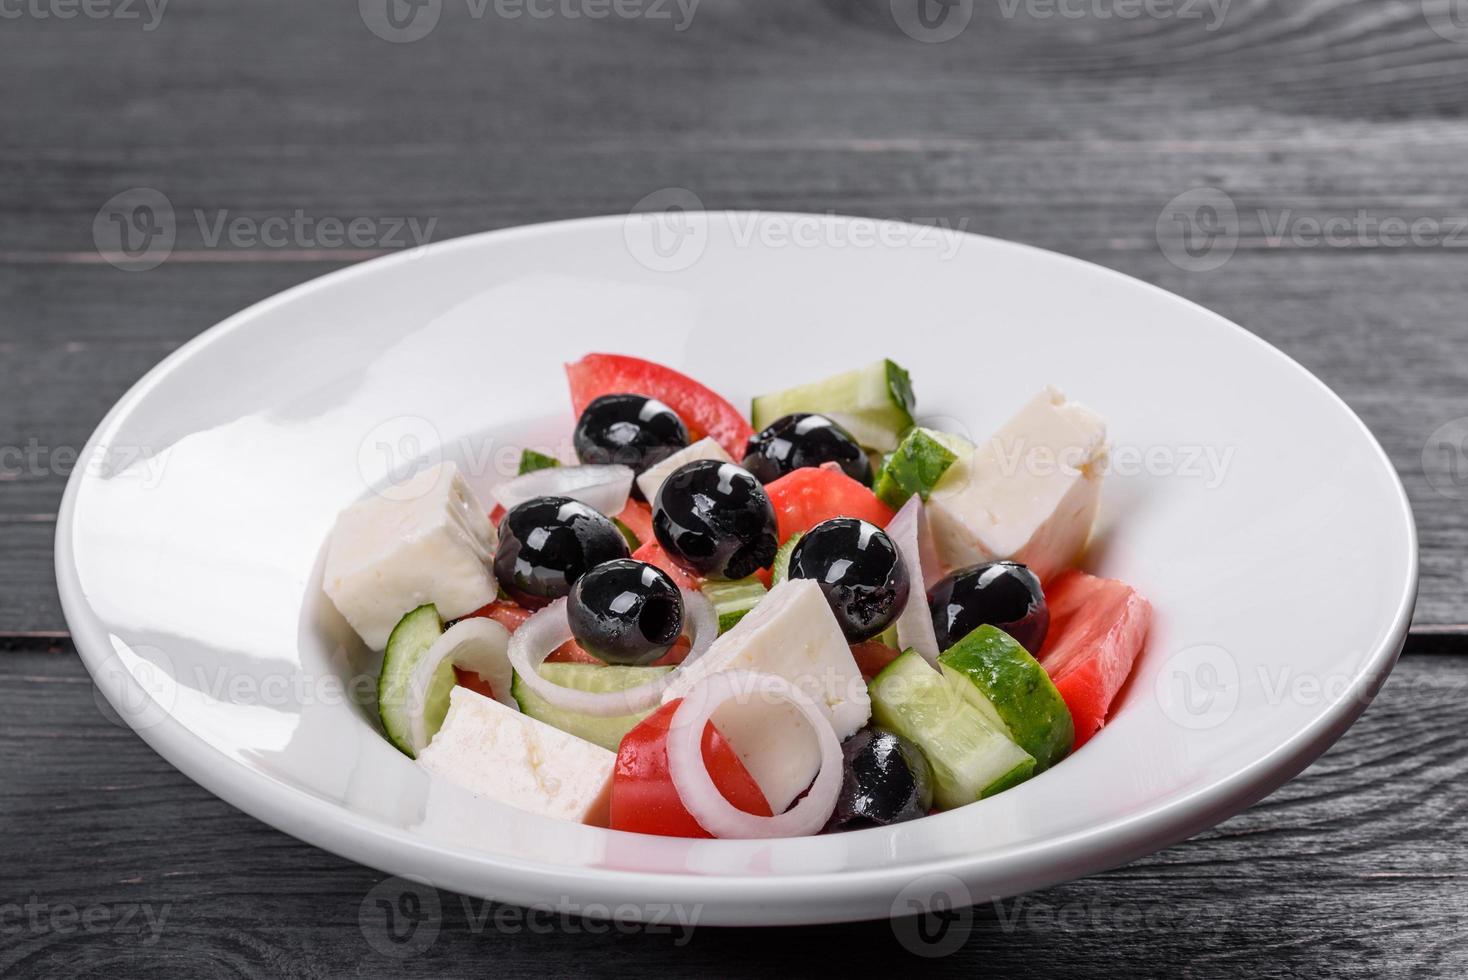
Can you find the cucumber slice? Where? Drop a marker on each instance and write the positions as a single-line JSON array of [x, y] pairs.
[[994, 673], [972, 758], [530, 461], [733, 599], [409, 641], [780, 571], [917, 464], [606, 732], [874, 403]]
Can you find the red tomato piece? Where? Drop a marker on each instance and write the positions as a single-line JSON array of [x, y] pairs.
[[872, 656], [511, 616], [1097, 629], [654, 554], [810, 495], [644, 799], [638, 518], [497, 515], [507, 614], [475, 683], [703, 411]]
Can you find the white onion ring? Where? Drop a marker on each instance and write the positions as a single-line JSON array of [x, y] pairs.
[[604, 489], [696, 787], [915, 623], [542, 633], [480, 645]]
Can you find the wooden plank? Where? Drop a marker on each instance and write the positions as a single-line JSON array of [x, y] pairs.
[[29, 605], [1349, 871], [1104, 118], [1328, 59]]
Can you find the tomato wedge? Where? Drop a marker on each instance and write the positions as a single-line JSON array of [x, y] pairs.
[[511, 616], [810, 495], [703, 411], [475, 683], [644, 799], [638, 518], [872, 657], [1097, 629], [507, 614], [654, 554]]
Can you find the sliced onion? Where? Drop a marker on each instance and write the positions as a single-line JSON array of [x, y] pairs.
[[602, 488], [915, 624], [480, 645], [550, 627], [695, 786]]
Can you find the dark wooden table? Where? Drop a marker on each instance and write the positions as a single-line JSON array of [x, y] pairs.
[[1335, 127]]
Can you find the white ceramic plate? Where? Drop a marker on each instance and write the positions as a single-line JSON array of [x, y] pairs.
[[1247, 502]]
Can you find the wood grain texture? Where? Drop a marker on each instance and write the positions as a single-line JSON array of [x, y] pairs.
[[1352, 870], [1071, 133]]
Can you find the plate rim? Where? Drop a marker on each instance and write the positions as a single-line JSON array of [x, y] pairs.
[[725, 899]]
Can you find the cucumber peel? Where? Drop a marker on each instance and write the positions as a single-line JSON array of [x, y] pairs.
[[873, 403], [972, 758], [993, 672], [409, 641], [606, 732], [733, 600], [780, 570], [917, 464]]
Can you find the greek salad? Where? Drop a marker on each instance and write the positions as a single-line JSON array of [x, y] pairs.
[[821, 618]]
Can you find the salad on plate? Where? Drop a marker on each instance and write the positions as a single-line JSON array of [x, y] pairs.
[[822, 618]]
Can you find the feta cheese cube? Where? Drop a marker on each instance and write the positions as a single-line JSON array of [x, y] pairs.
[[496, 752], [429, 540], [1029, 494], [793, 634], [652, 478]]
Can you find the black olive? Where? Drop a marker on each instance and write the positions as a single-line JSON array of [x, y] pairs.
[[860, 571], [886, 780], [626, 612], [630, 430], [546, 544], [804, 440], [1001, 593], [716, 519]]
